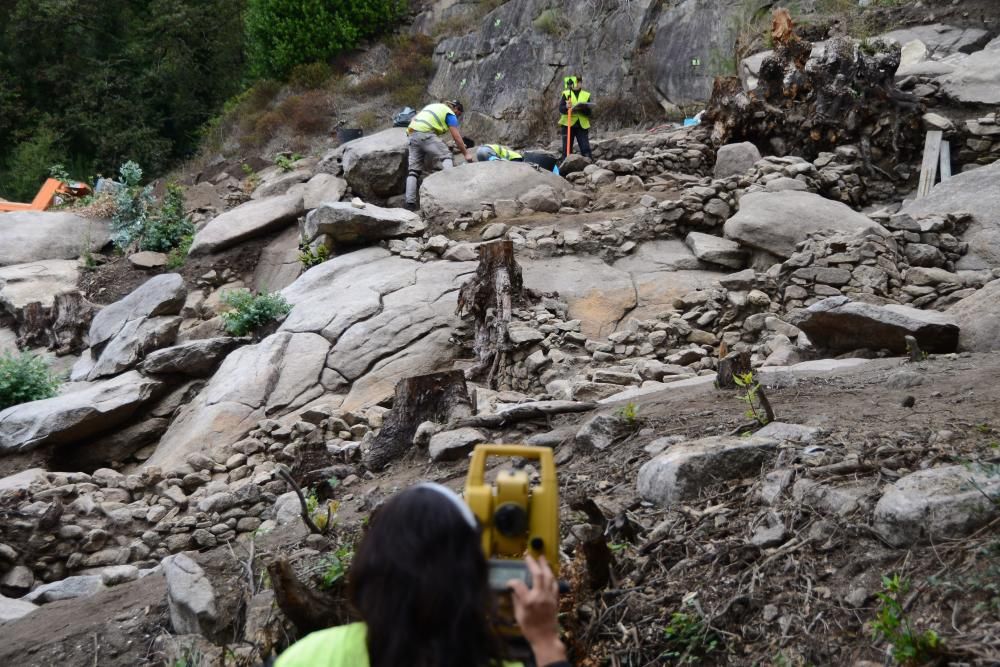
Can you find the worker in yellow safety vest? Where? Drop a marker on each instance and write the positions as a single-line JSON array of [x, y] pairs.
[[420, 584], [425, 132], [497, 152], [575, 107]]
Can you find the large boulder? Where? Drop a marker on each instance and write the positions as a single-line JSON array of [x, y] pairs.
[[160, 295], [124, 332], [190, 596], [598, 295], [839, 324], [462, 190], [36, 282], [978, 318], [685, 469], [131, 344], [735, 159], [937, 504], [375, 166], [662, 272], [776, 221], [321, 189], [279, 265], [716, 250], [30, 236], [976, 192], [359, 323], [976, 80], [246, 221], [65, 419], [940, 39], [197, 358], [346, 223]]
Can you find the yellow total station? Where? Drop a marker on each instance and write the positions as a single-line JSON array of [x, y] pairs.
[[517, 518]]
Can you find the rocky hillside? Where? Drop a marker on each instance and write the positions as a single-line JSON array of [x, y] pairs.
[[766, 374]]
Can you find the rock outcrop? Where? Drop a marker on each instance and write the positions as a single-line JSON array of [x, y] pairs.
[[31, 236]]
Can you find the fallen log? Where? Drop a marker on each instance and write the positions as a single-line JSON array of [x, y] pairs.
[[522, 412]]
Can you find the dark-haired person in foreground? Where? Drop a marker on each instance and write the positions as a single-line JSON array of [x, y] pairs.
[[419, 582]]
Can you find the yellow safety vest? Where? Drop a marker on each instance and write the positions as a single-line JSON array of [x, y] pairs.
[[432, 118], [342, 646], [576, 98], [503, 152]]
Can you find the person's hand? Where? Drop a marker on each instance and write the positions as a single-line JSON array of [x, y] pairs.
[[536, 610], [469, 155]]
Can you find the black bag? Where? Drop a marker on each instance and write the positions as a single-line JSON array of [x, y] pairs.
[[403, 118]]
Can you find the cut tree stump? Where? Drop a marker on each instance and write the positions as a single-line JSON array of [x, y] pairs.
[[489, 298], [437, 397], [307, 609], [734, 363]]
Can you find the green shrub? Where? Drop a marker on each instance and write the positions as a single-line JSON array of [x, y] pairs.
[[286, 162], [310, 258], [281, 34], [335, 566], [169, 225], [24, 378], [250, 311], [689, 639], [177, 256], [132, 204], [893, 625]]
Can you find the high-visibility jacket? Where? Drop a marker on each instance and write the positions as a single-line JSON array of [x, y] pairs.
[[342, 646], [432, 118], [503, 152], [575, 98]]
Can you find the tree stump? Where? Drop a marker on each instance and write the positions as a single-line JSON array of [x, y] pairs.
[[489, 298], [437, 397], [846, 95], [733, 364], [71, 318]]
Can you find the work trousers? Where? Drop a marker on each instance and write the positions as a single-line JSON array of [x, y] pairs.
[[424, 147], [577, 134]]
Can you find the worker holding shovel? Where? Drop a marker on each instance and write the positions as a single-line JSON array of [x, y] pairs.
[[575, 107]]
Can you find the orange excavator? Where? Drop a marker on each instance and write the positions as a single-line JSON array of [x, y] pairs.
[[46, 194]]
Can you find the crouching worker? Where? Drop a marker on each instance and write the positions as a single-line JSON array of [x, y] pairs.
[[425, 132], [491, 152], [419, 582]]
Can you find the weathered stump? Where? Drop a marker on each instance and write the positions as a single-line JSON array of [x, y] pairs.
[[489, 298], [437, 397], [805, 105], [733, 364], [307, 609]]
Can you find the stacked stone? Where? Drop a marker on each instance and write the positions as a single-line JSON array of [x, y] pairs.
[[915, 265], [109, 519], [980, 140]]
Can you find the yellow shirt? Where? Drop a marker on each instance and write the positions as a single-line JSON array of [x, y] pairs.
[[342, 646]]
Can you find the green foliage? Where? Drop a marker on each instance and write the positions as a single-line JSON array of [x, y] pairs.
[[629, 413], [29, 164], [169, 225], [58, 172], [689, 639], [115, 78], [334, 566], [23, 378], [892, 624], [250, 311], [406, 81], [281, 34], [748, 383], [552, 22], [132, 204], [310, 258], [286, 162], [177, 256]]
